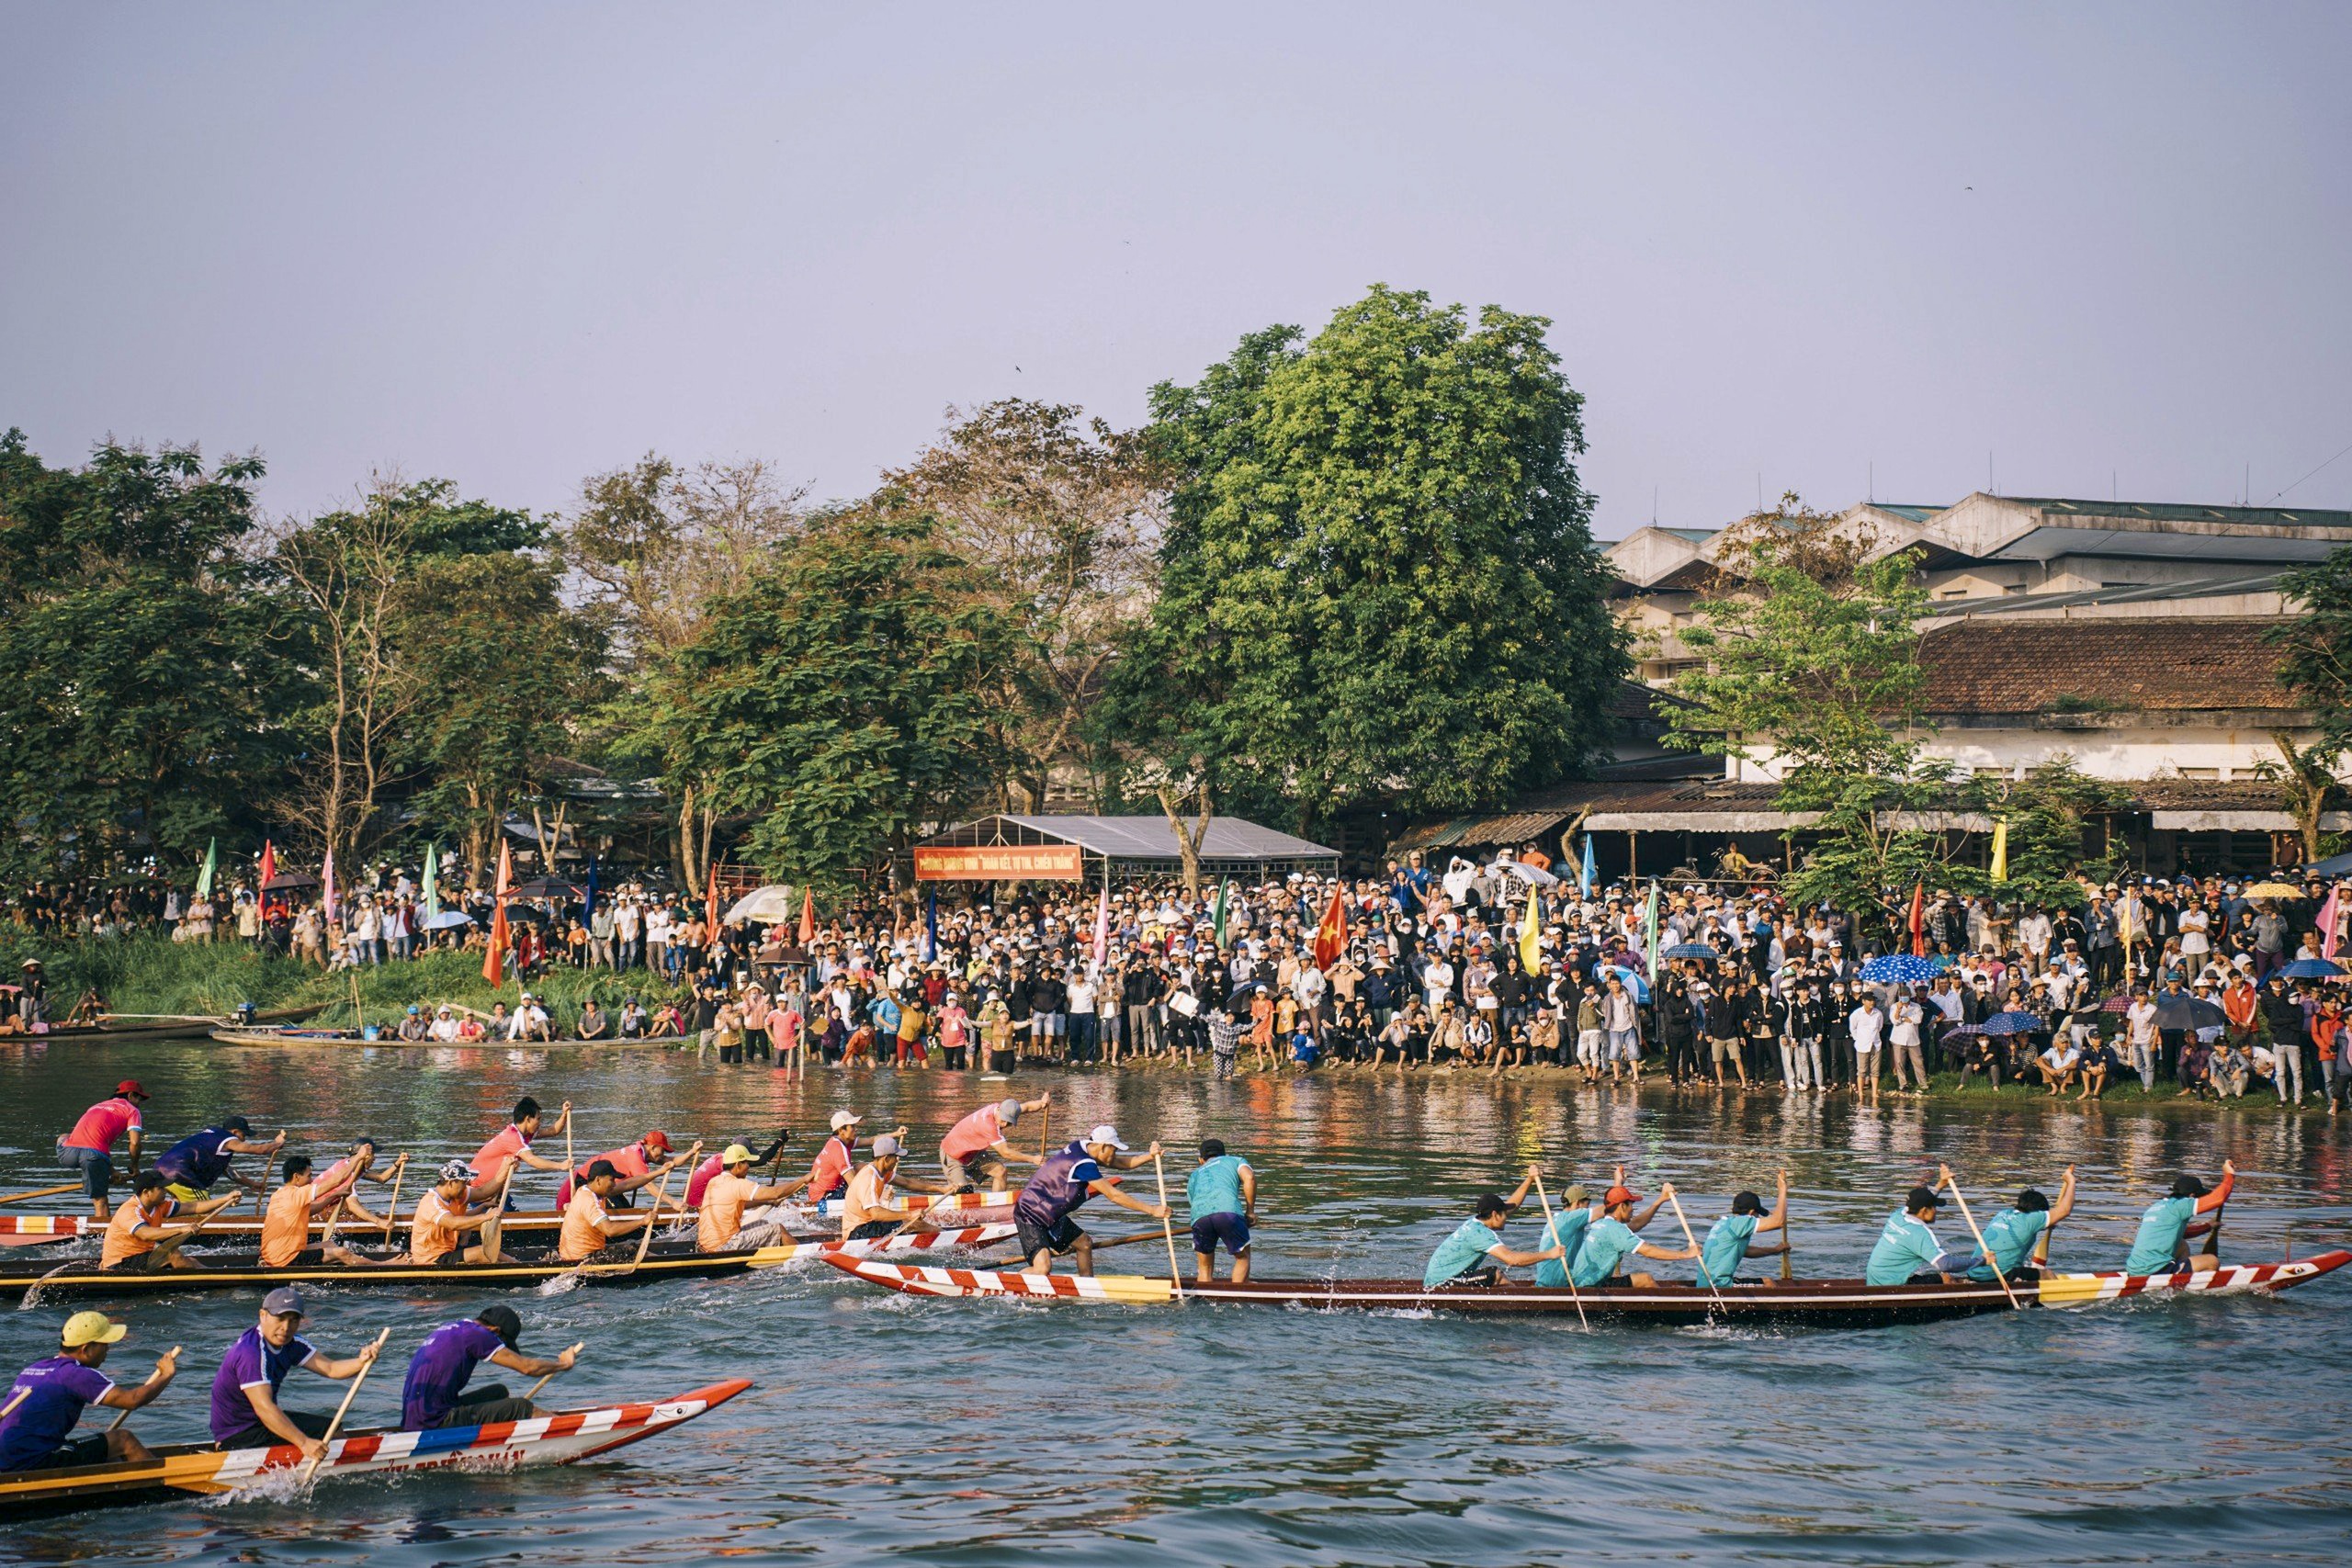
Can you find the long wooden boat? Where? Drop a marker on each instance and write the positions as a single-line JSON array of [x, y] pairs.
[[352, 1037], [191, 1026], [1827, 1303], [193, 1469], [675, 1260]]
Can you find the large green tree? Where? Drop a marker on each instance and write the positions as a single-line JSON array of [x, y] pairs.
[[1378, 583], [144, 672], [840, 699]]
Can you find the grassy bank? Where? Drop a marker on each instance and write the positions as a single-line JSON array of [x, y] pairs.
[[149, 975]]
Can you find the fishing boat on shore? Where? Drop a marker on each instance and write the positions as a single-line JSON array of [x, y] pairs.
[[240, 1035], [1822, 1303], [198, 1469], [126, 1029], [674, 1259]]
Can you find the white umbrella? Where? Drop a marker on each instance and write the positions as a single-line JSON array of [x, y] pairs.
[[1534, 873], [771, 903], [448, 919]]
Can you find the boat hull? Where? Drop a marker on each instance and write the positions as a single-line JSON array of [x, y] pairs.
[[1823, 1304], [195, 1471], [350, 1039]]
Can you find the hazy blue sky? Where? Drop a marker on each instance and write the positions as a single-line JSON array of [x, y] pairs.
[[515, 244]]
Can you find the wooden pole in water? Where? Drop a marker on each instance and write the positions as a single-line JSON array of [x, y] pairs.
[[1704, 1272], [344, 1408], [1553, 1231], [1952, 1182]]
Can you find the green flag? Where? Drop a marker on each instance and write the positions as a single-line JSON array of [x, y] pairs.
[[211, 864], [1219, 916], [432, 881]]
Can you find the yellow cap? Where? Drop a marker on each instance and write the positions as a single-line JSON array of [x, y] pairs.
[[736, 1154], [92, 1328]]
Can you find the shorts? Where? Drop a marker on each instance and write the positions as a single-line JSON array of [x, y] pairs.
[[88, 1449], [1231, 1229], [186, 1195], [137, 1263], [1057, 1238], [1725, 1048], [873, 1230], [967, 1171], [96, 1166]]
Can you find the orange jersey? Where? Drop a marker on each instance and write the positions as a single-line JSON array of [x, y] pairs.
[[430, 1237], [721, 1215], [286, 1225], [120, 1241], [584, 1232]]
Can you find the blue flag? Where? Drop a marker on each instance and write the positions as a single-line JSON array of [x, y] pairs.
[[1584, 871], [588, 900]]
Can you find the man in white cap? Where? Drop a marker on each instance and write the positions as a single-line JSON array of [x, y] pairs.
[[718, 1220], [829, 1171], [1066, 1178], [977, 1146], [870, 1209], [245, 1412], [37, 1418]]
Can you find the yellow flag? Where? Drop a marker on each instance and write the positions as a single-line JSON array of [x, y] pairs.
[[2001, 849], [1531, 945]]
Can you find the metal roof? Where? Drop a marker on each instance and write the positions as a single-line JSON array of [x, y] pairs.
[[1140, 838]]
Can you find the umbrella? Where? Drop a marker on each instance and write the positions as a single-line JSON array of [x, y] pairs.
[[1902, 968], [2185, 1012], [2011, 1024], [2337, 865], [1691, 950], [287, 880], [769, 904], [2274, 890], [2119, 1002], [1634, 983], [1961, 1031], [2313, 969], [2210, 1033], [448, 920], [1534, 873], [546, 888]]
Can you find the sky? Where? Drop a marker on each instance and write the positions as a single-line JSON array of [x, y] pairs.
[[1901, 251]]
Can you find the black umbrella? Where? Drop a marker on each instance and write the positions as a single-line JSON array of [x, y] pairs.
[[288, 881], [2185, 1012], [545, 888]]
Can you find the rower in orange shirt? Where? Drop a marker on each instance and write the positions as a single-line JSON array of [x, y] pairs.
[[444, 1215], [286, 1224], [719, 1222], [138, 1238], [589, 1226]]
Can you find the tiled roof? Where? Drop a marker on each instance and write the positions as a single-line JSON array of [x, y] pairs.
[[2173, 664]]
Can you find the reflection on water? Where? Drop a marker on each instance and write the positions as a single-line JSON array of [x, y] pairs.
[[995, 1433]]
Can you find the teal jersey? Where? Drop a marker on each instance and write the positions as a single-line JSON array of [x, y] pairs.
[[1607, 1243], [1458, 1254], [1725, 1248], [1566, 1229], [2161, 1230], [2011, 1237], [1906, 1246], [1214, 1186]]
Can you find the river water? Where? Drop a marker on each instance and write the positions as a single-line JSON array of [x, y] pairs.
[[1000, 1433]]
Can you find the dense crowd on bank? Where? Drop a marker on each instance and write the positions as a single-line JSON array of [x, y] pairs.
[[2195, 987]]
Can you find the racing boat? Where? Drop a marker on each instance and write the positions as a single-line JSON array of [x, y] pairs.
[[195, 1470], [1827, 1303]]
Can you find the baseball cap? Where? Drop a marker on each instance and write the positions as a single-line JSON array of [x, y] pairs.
[[284, 1301], [1106, 1134], [129, 1088], [1617, 1195], [597, 1167], [884, 1146], [656, 1139], [736, 1154], [502, 1321], [1008, 1111], [1574, 1196], [92, 1328], [239, 1126], [456, 1170], [845, 1119]]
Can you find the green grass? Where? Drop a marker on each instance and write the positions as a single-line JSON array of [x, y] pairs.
[[147, 974]]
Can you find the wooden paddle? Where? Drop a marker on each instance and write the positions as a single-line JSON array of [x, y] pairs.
[[543, 1382], [1788, 1247], [1168, 1226], [42, 1192], [1045, 1142], [392, 1214], [1704, 1272], [344, 1409], [1553, 1231], [1961, 1199], [645, 1241], [121, 1417]]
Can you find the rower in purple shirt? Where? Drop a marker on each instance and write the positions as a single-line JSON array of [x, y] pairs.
[[245, 1412], [37, 1418], [436, 1392]]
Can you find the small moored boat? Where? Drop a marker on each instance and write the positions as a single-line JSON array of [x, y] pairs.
[[199, 1469]]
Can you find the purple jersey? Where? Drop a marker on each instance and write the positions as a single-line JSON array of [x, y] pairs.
[[438, 1372], [250, 1363], [1059, 1187], [41, 1410]]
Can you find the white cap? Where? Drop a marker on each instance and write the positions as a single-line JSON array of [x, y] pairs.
[[845, 1119], [1106, 1134]]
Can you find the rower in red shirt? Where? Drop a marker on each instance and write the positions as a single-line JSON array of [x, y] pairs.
[[634, 1166], [702, 1174], [89, 1147], [513, 1146], [829, 1173]]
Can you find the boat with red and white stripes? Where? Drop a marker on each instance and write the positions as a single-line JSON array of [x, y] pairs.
[[1826, 1303], [195, 1470]]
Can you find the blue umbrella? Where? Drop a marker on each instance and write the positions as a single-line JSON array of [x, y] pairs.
[[1634, 983], [1901, 969], [2210, 1033], [2313, 969], [2011, 1024], [1695, 950]]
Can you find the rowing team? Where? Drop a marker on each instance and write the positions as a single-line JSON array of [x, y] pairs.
[[37, 1421], [1589, 1246]]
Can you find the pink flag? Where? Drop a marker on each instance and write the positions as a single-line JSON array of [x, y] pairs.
[[2328, 919], [327, 876], [1103, 928]]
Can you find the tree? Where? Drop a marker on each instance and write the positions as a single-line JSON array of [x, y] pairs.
[[1058, 516], [144, 678], [2316, 665], [653, 547], [2308, 787], [1379, 583], [2046, 812], [841, 697], [1812, 652]]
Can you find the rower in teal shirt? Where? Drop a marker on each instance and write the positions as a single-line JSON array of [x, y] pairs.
[[1908, 1245], [1731, 1240], [1567, 1230], [2012, 1235], [1476, 1246], [1610, 1239], [2162, 1244]]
